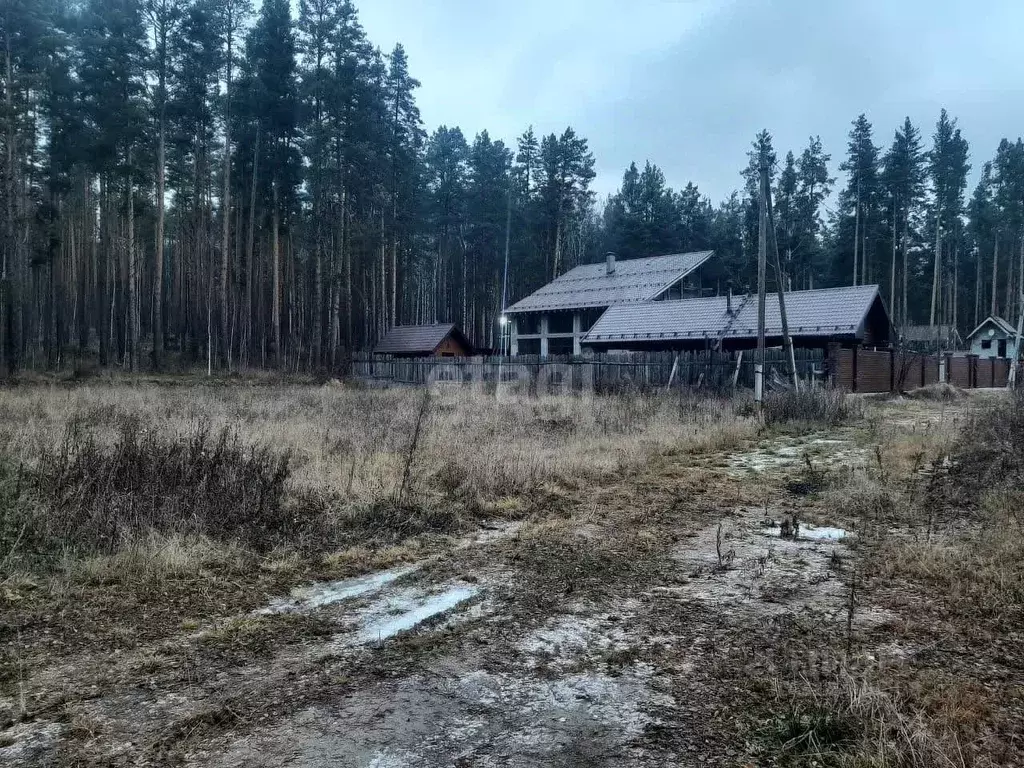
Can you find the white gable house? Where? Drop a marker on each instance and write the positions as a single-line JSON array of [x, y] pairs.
[[993, 338]]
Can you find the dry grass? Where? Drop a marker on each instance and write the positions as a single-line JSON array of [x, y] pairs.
[[111, 468], [852, 721], [942, 547], [810, 405]]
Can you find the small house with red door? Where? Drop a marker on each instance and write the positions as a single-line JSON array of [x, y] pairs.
[[436, 340]]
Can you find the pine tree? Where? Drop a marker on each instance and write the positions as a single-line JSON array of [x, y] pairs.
[[859, 204], [114, 94], [566, 170], [1009, 197], [903, 179], [983, 217], [487, 207], [270, 52], [446, 167], [404, 147], [814, 184], [948, 169]]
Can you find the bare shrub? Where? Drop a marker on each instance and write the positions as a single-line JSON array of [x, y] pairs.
[[811, 405], [989, 456], [943, 393], [96, 500]]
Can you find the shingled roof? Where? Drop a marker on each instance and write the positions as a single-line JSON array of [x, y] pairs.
[[999, 322], [417, 339], [823, 312], [633, 280]]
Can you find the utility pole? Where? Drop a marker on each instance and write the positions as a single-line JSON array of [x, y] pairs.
[[1011, 381], [787, 341], [762, 249], [503, 320]]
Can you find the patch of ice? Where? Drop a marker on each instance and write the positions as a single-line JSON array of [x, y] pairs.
[[822, 533], [28, 742], [388, 759], [567, 638], [817, 532], [403, 612], [319, 595], [822, 451]]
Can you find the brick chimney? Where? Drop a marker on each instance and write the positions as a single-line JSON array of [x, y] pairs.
[[610, 263]]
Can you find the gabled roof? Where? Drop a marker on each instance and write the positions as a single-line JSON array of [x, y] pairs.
[[927, 333], [1002, 324], [824, 312], [633, 280], [418, 339]]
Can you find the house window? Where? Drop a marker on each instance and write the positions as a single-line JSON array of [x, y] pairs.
[[986, 343], [559, 346], [1002, 347], [529, 346], [527, 324], [560, 322]]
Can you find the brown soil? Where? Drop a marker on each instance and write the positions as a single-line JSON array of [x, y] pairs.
[[645, 621]]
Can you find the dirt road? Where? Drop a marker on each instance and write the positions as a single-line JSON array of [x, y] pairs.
[[639, 624]]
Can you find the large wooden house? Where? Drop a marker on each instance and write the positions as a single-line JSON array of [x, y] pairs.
[[554, 319]]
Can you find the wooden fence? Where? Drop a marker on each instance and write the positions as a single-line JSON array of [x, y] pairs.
[[853, 369], [643, 371], [889, 370]]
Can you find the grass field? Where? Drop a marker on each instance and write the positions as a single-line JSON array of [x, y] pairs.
[[263, 572]]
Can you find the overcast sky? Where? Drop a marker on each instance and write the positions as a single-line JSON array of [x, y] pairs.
[[687, 84]]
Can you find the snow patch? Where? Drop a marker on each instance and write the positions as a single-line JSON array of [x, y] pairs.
[[319, 595], [408, 609], [810, 532]]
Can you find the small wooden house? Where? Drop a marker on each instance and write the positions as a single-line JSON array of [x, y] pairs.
[[993, 338], [437, 340], [931, 338]]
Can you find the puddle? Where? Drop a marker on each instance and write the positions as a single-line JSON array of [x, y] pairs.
[[404, 611], [319, 595]]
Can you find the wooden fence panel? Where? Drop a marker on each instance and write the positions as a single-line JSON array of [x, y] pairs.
[[606, 373]]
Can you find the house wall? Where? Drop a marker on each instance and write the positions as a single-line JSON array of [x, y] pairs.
[[451, 348], [993, 350], [551, 333]]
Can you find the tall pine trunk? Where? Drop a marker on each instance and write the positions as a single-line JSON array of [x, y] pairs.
[[892, 269], [225, 205], [158, 255], [275, 281], [250, 248], [937, 267], [856, 233]]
